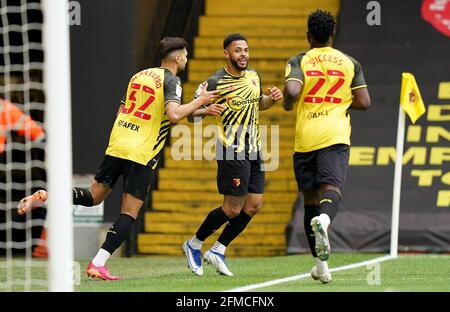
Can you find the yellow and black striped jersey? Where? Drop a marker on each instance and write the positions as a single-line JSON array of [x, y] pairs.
[[239, 122], [142, 126], [328, 77]]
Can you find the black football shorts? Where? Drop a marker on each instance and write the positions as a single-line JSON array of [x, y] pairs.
[[136, 177], [240, 176], [324, 166]]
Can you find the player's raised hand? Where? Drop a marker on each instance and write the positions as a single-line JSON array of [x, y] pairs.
[[208, 97], [214, 109], [275, 93]]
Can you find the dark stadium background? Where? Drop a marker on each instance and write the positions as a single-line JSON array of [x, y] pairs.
[[118, 38]]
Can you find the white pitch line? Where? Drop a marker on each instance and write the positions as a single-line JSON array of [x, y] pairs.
[[305, 275]]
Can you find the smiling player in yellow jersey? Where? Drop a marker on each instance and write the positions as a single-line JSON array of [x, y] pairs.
[[240, 175], [152, 101], [324, 83]]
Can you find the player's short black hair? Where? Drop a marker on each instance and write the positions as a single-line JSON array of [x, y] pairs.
[[170, 44], [321, 25], [233, 37]]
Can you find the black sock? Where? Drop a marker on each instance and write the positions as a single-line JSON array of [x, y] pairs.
[[234, 227], [311, 211], [214, 220], [118, 233], [329, 204], [82, 196]]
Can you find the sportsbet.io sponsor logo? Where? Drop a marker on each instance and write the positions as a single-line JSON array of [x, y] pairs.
[[237, 103]]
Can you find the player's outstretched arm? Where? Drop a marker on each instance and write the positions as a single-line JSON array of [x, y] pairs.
[[292, 91], [175, 111], [211, 110], [267, 101], [361, 99]]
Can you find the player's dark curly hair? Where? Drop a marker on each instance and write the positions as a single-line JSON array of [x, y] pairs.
[[233, 37], [321, 25], [170, 44]]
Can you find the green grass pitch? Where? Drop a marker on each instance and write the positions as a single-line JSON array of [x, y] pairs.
[[423, 273]]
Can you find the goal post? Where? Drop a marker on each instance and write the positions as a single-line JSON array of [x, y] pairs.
[[56, 42], [35, 105]]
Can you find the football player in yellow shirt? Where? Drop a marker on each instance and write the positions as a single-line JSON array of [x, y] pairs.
[[240, 173], [324, 83], [152, 102]]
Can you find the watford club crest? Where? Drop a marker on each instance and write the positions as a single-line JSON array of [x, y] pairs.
[[236, 182], [412, 98]]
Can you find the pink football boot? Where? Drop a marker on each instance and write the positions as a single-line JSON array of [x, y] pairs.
[[100, 272]]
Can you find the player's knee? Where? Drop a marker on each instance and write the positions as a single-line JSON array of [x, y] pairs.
[[134, 213], [233, 205], [253, 209], [97, 197], [99, 191], [328, 187], [97, 200], [234, 211]]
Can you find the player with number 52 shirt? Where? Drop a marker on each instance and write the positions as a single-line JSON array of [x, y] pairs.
[[142, 119], [324, 83], [152, 101]]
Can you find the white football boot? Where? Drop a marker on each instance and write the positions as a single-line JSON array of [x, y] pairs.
[[323, 249], [218, 261], [323, 277], [194, 258]]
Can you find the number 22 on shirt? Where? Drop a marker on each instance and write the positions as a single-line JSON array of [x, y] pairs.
[[336, 80]]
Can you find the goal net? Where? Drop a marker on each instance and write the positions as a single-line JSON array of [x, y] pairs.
[[25, 143]]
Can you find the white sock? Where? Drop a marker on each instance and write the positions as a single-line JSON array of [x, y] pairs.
[[219, 248], [196, 243], [101, 258], [325, 220], [322, 266]]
